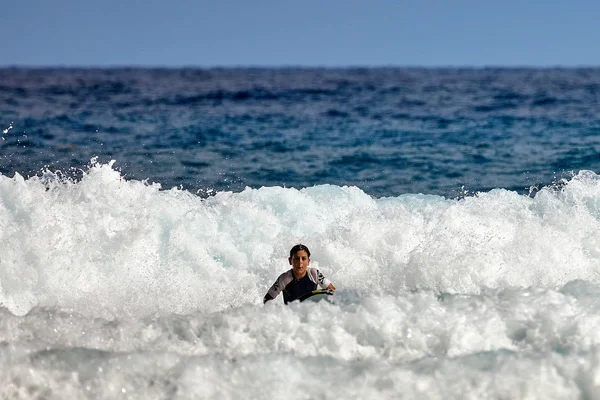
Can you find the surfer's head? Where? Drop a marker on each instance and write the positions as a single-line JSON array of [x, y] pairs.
[[299, 260], [297, 248]]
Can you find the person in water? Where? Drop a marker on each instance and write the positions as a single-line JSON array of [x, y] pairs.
[[299, 280]]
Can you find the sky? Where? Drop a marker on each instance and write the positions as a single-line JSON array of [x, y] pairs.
[[330, 33]]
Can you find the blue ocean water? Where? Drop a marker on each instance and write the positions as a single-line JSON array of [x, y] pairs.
[[388, 131], [144, 213]]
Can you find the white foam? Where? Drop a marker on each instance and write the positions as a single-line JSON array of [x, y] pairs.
[[512, 343], [114, 288], [110, 246]]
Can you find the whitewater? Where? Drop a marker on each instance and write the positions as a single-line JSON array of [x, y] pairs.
[[117, 288]]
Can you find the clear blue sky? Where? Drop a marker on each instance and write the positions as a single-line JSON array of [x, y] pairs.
[[307, 32]]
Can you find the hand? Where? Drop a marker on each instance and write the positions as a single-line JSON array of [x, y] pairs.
[[267, 298]]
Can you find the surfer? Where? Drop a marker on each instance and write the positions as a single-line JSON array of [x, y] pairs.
[[300, 279]]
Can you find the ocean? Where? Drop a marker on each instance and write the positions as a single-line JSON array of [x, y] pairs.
[[144, 213]]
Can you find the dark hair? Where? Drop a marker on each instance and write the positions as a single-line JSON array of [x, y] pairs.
[[297, 248]]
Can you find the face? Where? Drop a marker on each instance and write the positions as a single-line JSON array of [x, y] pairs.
[[299, 262]]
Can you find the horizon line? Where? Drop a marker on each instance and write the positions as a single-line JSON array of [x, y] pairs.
[[298, 66]]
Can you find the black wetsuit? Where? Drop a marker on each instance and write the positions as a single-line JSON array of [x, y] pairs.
[[293, 289], [297, 288]]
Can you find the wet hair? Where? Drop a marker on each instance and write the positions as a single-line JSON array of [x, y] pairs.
[[297, 248]]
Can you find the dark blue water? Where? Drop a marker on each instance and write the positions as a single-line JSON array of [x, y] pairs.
[[386, 130]]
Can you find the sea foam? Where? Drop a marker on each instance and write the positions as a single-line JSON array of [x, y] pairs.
[[118, 288], [105, 244]]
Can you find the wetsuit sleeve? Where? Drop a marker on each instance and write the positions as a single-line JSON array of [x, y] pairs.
[[322, 281], [276, 288]]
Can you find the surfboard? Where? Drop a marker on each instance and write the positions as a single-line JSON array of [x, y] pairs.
[[316, 295]]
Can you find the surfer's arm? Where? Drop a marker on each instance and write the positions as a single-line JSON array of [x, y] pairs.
[[276, 288], [323, 282], [267, 298]]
